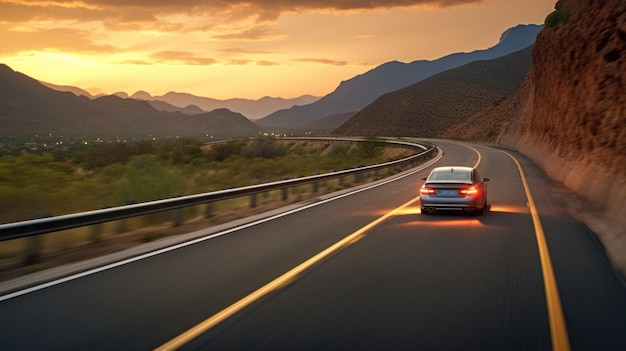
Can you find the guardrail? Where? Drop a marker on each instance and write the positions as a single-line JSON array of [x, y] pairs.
[[58, 223]]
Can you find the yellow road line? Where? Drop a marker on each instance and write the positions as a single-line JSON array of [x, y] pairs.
[[477, 153], [558, 329], [274, 285]]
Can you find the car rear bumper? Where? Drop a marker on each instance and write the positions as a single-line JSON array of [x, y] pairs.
[[450, 203]]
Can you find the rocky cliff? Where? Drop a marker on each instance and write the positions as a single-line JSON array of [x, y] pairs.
[[569, 114]]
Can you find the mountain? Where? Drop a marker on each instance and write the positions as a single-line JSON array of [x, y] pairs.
[[164, 106], [252, 109], [330, 123], [432, 106], [189, 104], [358, 92], [74, 90], [27, 106]]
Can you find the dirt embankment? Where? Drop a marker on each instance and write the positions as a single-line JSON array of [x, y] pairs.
[[569, 114]]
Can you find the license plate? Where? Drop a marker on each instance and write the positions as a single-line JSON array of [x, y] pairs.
[[447, 193]]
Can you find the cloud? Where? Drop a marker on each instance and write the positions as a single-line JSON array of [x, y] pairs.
[[244, 51], [261, 4], [255, 33], [267, 63], [149, 11], [323, 61], [55, 39], [137, 62], [24, 11], [73, 26], [236, 62], [180, 57]]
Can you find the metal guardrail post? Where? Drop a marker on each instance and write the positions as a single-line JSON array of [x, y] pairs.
[[284, 191], [96, 230], [208, 210], [316, 185], [266, 194], [177, 217], [32, 253]]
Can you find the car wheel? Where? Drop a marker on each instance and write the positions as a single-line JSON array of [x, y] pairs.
[[481, 210]]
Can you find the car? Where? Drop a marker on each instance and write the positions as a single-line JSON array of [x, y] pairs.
[[454, 188]]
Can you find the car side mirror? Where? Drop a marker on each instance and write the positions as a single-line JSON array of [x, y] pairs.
[[424, 178], [486, 179]]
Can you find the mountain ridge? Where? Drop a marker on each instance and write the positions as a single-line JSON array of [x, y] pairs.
[[188, 103], [432, 106], [357, 92], [27, 106]]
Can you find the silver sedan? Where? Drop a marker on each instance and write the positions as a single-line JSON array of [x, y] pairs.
[[454, 188]]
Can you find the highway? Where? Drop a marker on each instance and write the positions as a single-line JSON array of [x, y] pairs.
[[363, 271]]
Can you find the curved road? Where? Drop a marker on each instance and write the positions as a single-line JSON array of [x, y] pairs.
[[401, 280]]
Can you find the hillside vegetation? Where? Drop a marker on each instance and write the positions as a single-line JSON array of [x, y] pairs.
[[92, 177]]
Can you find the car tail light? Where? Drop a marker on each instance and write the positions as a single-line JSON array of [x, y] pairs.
[[425, 190], [471, 191]]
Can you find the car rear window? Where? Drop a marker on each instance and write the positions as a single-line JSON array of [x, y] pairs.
[[451, 175]]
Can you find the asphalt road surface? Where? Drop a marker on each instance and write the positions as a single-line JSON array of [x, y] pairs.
[[401, 280]]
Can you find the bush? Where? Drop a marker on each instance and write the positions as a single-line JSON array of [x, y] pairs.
[[370, 148], [339, 151], [557, 18], [147, 179], [264, 147], [98, 156], [222, 151]]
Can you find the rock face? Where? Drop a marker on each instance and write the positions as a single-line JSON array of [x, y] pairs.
[[569, 114]]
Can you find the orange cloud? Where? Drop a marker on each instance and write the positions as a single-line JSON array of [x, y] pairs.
[[150, 11], [55, 39], [323, 61], [267, 63], [236, 62], [24, 11], [255, 33], [180, 57], [245, 51]]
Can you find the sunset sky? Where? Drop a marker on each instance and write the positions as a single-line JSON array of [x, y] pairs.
[[247, 49]]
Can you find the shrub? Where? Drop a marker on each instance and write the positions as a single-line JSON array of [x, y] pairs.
[[557, 18], [147, 179], [370, 148], [264, 147], [222, 151]]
